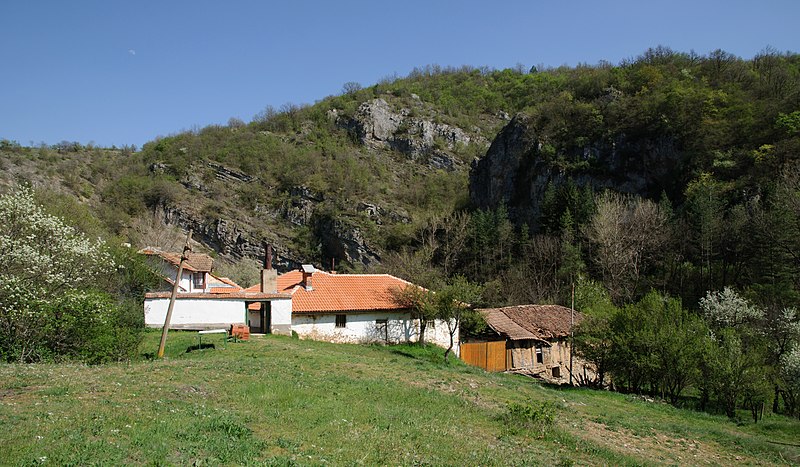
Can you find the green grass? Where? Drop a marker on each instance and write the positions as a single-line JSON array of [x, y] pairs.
[[282, 401]]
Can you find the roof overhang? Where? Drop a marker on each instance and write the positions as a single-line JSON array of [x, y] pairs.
[[243, 296]]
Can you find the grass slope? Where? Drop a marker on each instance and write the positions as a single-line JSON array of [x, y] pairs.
[[279, 401]]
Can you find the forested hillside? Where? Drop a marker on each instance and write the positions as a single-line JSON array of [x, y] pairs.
[[378, 176], [665, 188]]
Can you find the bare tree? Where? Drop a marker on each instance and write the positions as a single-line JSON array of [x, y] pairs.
[[627, 232], [455, 232], [351, 87], [150, 230], [534, 280]]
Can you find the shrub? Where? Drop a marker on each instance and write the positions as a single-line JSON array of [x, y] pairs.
[[79, 325], [536, 417]]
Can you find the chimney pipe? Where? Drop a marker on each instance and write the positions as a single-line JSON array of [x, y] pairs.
[[269, 276], [267, 256]]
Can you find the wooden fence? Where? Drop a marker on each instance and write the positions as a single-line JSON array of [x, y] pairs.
[[491, 356]]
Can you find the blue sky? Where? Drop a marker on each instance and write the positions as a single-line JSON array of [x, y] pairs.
[[117, 73]]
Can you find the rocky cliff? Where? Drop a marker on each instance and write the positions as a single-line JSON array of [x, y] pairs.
[[517, 170], [378, 125]]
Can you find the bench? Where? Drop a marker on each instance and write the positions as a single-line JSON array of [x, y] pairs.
[[210, 331]]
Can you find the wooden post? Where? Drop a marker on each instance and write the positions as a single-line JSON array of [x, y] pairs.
[[186, 249], [571, 332]]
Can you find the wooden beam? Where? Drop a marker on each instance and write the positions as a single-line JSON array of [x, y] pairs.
[[184, 257]]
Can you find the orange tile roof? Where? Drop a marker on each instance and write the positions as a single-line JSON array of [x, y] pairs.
[[236, 295], [223, 290], [226, 280], [171, 282], [195, 262], [339, 292]]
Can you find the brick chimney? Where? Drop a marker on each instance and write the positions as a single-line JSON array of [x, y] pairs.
[[308, 272], [269, 276]]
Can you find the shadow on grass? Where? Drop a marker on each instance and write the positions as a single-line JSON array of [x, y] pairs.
[[558, 386], [404, 353], [427, 353], [193, 348]]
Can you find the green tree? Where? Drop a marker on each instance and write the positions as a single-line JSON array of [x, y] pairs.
[[655, 346], [420, 303], [736, 372], [453, 303]]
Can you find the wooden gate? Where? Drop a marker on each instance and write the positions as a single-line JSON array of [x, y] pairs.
[[491, 356]]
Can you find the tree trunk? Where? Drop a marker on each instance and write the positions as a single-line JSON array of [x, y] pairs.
[[775, 399], [449, 349]]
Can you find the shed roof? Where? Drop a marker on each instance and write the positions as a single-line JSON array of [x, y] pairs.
[[195, 262], [539, 322]]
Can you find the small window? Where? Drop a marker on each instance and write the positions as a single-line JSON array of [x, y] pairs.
[[199, 280], [430, 324], [341, 321], [539, 355], [556, 372]]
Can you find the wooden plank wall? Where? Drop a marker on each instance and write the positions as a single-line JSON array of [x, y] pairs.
[[491, 356]]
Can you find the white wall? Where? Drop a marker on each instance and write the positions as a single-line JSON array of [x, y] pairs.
[[169, 270], [281, 317], [197, 313], [361, 328]]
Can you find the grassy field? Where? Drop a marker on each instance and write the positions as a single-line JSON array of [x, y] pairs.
[[281, 401]]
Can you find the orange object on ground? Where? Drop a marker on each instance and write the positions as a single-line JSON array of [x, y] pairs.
[[240, 331]]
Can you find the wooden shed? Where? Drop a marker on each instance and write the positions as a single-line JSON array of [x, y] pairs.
[[536, 339]]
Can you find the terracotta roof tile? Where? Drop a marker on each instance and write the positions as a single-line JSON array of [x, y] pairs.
[[237, 295], [226, 280], [541, 322], [340, 292], [195, 262]]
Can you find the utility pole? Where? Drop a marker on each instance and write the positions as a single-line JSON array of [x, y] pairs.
[[186, 250], [571, 332]]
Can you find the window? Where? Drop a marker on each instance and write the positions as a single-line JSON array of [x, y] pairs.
[[199, 280], [556, 372], [430, 324], [341, 321], [539, 355]]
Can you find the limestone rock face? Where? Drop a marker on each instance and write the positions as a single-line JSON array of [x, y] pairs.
[[338, 239], [228, 238], [377, 125], [303, 201], [345, 242], [515, 171]]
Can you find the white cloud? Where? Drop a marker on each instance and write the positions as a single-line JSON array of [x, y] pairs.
[[131, 51]]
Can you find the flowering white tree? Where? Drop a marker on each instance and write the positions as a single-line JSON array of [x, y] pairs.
[[40, 251], [727, 309], [790, 372], [46, 271]]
